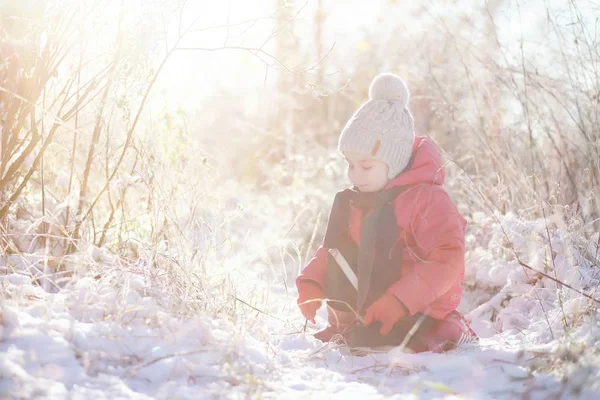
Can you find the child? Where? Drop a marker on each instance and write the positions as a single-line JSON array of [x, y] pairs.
[[394, 245]]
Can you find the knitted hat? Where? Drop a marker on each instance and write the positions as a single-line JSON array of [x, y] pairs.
[[383, 126]]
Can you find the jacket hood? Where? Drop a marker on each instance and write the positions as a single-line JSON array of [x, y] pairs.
[[426, 166]]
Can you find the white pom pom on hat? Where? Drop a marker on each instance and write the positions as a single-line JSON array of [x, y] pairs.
[[388, 86]]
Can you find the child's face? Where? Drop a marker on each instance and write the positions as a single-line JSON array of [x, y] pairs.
[[365, 172]]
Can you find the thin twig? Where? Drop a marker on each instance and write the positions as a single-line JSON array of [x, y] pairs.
[[256, 309], [137, 368]]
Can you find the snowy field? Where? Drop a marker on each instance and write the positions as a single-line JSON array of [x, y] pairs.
[[205, 308], [117, 331]]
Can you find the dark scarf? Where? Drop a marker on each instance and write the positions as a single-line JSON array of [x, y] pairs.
[[372, 204]]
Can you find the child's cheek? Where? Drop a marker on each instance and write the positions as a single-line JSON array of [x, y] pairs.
[[354, 175]]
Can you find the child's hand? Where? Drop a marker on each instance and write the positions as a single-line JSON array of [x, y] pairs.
[[387, 310], [310, 296]]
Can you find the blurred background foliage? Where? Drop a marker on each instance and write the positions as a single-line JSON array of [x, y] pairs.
[[133, 123]]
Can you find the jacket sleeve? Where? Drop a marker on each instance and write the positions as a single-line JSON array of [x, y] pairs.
[[439, 233], [315, 269]]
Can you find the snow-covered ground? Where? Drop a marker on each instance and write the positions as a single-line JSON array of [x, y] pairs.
[[115, 331]]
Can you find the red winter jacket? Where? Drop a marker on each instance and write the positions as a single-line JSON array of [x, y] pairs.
[[432, 232]]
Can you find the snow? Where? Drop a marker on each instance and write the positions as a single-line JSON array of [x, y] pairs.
[[225, 325], [113, 334]]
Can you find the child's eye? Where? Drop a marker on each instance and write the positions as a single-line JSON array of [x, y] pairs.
[[367, 166], [350, 166]]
